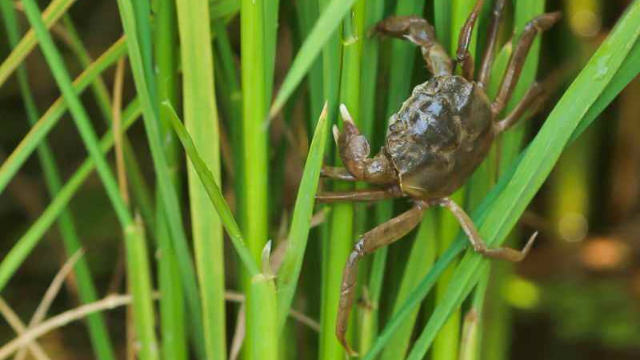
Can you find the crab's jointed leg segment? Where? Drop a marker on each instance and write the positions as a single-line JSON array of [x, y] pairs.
[[380, 236], [337, 173], [489, 53], [478, 244], [462, 54], [358, 195], [531, 101], [420, 32], [533, 27]]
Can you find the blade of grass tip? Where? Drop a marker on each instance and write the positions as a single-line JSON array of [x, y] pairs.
[[139, 276], [254, 19], [289, 273], [323, 32], [50, 16], [538, 160], [98, 333], [170, 204], [172, 316], [201, 119], [50, 118], [14, 258]]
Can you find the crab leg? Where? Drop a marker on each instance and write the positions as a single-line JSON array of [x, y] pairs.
[[533, 27], [489, 53], [476, 241], [462, 54], [358, 195], [420, 32], [337, 173], [531, 100], [380, 236]]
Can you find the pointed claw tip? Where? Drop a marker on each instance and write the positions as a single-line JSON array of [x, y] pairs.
[[345, 113], [336, 133], [350, 351]]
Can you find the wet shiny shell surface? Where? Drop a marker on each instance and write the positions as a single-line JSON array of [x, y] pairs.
[[439, 136]]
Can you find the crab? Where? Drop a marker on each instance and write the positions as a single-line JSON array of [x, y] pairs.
[[440, 135]]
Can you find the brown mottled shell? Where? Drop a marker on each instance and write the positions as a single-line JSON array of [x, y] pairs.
[[440, 136]]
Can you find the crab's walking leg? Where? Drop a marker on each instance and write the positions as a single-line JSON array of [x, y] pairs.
[[533, 27], [489, 53], [420, 32], [337, 173], [476, 241], [354, 152], [380, 236], [462, 54], [531, 101], [358, 195]]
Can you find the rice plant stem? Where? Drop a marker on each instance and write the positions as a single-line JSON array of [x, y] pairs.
[[146, 92], [172, 315], [254, 17], [201, 120]]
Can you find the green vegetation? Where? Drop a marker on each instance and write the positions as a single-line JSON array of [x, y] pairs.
[[234, 138]]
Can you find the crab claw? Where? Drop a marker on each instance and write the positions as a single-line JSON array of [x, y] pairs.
[[350, 128], [336, 134]]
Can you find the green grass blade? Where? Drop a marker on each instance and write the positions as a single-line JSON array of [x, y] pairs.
[[322, 31], [139, 276], [50, 118], [50, 16], [201, 120], [538, 161], [256, 45], [289, 273], [172, 315], [98, 333], [168, 195], [213, 191]]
